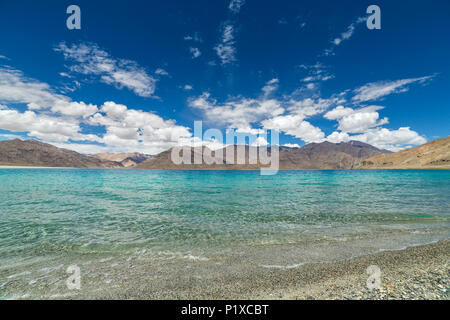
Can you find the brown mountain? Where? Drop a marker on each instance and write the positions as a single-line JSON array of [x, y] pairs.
[[324, 155], [126, 159], [432, 155], [34, 153]]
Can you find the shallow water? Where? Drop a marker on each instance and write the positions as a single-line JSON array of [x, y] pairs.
[[115, 224]]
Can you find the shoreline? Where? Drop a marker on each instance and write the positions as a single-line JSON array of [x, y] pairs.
[[34, 167], [420, 272], [416, 273]]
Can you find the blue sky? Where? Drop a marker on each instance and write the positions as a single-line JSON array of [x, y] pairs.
[[138, 74]]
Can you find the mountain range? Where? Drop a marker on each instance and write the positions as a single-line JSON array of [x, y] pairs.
[[127, 160], [34, 153], [432, 155], [325, 155]]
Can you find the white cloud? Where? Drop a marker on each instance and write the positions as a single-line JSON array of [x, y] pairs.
[[382, 138], [89, 59], [316, 72], [291, 145], [8, 136], [350, 30], [132, 129], [87, 148], [42, 126], [338, 113], [251, 131], [337, 137], [237, 113], [226, 50], [345, 35], [196, 37], [310, 106], [377, 90], [54, 118], [248, 114], [393, 140], [356, 120], [270, 86], [188, 87], [235, 5], [290, 115], [296, 126], [161, 72], [16, 88], [195, 52], [260, 142]]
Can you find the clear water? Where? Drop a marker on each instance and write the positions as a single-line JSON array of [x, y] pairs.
[[53, 218]]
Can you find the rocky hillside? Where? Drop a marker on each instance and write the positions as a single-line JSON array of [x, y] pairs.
[[432, 155], [34, 153], [126, 159], [324, 155]]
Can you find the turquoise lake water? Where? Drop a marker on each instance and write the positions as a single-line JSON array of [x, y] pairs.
[[51, 218]]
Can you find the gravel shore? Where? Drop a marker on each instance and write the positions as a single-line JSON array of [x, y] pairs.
[[415, 273], [420, 272]]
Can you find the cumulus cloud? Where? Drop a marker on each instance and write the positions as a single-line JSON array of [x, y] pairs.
[[337, 137], [290, 115], [260, 142], [44, 127], [393, 140], [291, 145], [55, 118], [365, 126], [377, 90], [250, 114], [133, 129], [238, 113], [356, 120], [15, 87], [296, 126], [310, 106], [89, 59]]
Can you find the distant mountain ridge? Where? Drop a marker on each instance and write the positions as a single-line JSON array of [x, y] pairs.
[[38, 154], [325, 155], [126, 159], [432, 155]]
